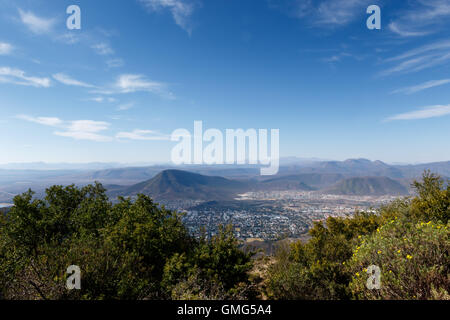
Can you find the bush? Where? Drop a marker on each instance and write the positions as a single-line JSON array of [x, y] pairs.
[[314, 270], [130, 250], [408, 239], [413, 258], [217, 269], [433, 201]]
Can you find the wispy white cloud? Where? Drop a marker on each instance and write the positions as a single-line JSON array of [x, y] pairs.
[[181, 10], [16, 76], [423, 17], [95, 39], [67, 80], [393, 26], [423, 113], [339, 12], [340, 56], [432, 47], [115, 63], [335, 58], [407, 65], [102, 48], [38, 25], [324, 13], [143, 135], [86, 130], [125, 106], [424, 57], [69, 38], [5, 48], [130, 83], [97, 99], [101, 99], [46, 121], [422, 86], [77, 129]]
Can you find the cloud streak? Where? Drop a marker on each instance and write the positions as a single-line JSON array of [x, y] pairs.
[[339, 12], [422, 86], [148, 135], [101, 99], [46, 26], [394, 27], [46, 121], [125, 106], [85, 130], [17, 76], [5, 48], [127, 83], [115, 63], [131, 83], [36, 24], [432, 47], [77, 129], [420, 58], [423, 18], [181, 10], [102, 49], [92, 130], [324, 13], [67, 80], [422, 113]]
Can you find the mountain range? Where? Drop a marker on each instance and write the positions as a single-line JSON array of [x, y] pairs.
[[361, 186], [219, 182], [347, 168], [178, 184], [183, 185]]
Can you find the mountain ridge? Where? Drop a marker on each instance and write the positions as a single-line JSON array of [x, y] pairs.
[[178, 184], [363, 186]]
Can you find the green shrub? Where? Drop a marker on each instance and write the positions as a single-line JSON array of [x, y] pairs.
[[413, 258], [408, 239], [433, 201], [315, 270], [130, 250]]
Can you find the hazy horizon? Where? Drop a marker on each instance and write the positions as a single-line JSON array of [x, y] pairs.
[[111, 165]]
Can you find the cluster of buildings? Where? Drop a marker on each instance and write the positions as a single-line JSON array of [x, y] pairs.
[[276, 215]]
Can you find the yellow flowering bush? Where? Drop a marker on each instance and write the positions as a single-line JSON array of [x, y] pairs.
[[413, 258], [406, 243]]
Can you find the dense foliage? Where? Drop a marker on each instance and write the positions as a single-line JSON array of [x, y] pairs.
[[129, 250], [135, 249], [409, 240]]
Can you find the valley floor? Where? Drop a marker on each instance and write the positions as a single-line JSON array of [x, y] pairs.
[[275, 215]]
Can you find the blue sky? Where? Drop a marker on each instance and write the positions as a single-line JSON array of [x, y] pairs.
[[139, 69]]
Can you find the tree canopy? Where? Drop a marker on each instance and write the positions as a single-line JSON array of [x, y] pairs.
[[134, 249]]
